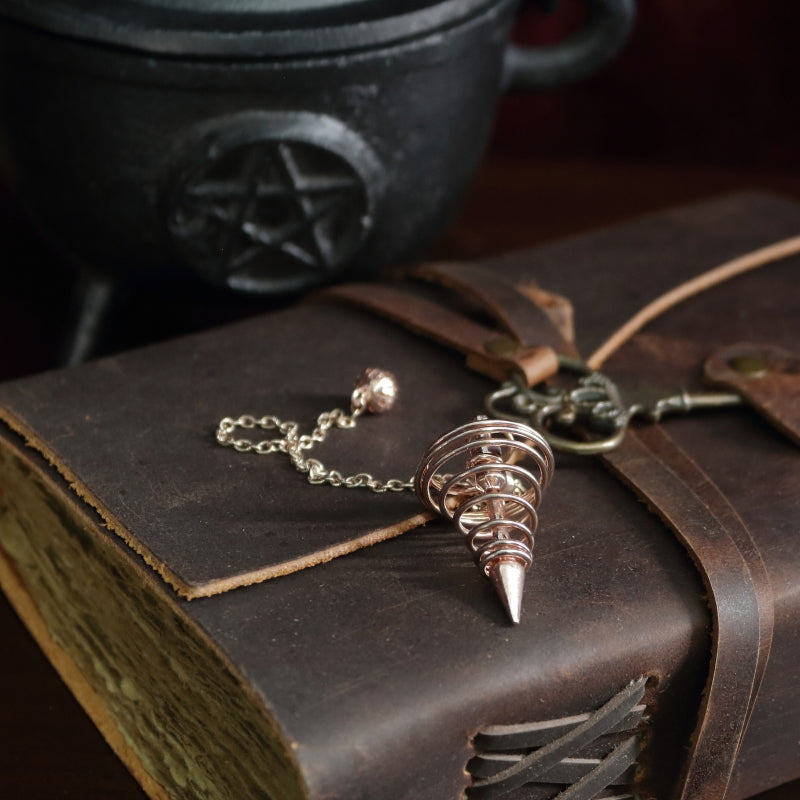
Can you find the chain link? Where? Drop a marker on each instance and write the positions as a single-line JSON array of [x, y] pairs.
[[295, 445]]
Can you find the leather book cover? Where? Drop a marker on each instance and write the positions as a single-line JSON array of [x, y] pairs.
[[236, 632]]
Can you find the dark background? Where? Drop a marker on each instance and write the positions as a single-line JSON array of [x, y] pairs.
[[710, 83], [703, 100]]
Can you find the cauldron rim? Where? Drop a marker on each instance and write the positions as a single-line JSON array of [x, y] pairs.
[[226, 30]]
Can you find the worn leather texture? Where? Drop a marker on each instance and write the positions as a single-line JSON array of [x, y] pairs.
[[738, 595], [476, 341], [382, 664], [766, 376]]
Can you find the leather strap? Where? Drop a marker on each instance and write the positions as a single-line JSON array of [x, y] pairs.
[[767, 377], [528, 313], [739, 596], [494, 354]]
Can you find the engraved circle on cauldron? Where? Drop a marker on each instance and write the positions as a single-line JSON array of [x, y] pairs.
[[274, 202]]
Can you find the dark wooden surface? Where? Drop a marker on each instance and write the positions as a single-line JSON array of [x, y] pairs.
[[48, 747]]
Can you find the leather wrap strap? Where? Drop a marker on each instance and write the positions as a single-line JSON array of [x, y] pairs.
[[497, 354], [528, 313], [740, 600]]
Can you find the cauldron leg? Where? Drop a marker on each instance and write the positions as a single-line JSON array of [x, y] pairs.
[[94, 298]]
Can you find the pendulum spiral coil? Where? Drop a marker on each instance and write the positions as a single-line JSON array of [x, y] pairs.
[[488, 477]]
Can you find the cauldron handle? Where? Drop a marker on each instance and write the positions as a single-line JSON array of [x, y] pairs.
[[606, 29]]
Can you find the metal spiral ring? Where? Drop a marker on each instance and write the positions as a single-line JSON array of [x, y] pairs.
[[488, 476]]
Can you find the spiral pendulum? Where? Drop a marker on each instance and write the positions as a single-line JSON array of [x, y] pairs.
[[488, 477]]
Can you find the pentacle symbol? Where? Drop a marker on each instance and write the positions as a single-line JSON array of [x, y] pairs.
[[270, 214]]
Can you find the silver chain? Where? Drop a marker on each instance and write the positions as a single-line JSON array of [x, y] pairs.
[[294, 444]]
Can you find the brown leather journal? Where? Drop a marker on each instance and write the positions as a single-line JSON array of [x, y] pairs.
[[238, 633]]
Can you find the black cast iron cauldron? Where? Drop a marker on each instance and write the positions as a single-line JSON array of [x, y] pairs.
[[264, 145]]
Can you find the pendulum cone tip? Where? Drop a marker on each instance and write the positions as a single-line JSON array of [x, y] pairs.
[[508, 578]]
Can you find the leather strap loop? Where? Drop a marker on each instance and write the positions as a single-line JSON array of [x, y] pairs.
[[495, 354], [528, 313], [767, 377]]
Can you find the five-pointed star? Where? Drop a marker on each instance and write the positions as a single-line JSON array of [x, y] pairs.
[[270, 171]]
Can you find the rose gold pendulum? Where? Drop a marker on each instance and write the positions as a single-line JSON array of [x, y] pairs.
[[478, 476], [487, 476]]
